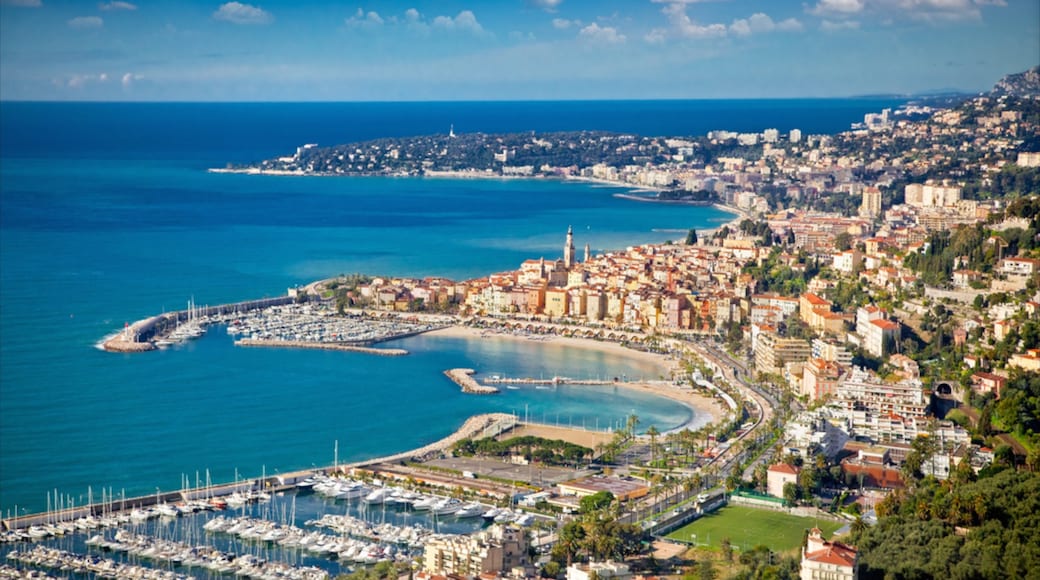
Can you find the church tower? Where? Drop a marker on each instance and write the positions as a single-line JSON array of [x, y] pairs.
[[568, 250], [588, 252]]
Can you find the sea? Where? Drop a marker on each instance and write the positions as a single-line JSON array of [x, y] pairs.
[[108, 215]]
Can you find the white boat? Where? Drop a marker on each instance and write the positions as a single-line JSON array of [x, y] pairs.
[[446, 506], [425, 503], [377, 495], [470, 510], [168, 510], [492, 513], [505, 516]]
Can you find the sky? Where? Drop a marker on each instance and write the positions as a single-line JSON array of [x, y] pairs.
[[422, 50]]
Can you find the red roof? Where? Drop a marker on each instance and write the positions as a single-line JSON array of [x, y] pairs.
[[815, 300], [783, 468], [835, 554], [885, 324]]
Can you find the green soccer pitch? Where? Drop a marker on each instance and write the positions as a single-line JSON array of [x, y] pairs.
[[748, 527]]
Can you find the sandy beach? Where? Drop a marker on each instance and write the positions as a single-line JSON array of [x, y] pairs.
[[703, 407]]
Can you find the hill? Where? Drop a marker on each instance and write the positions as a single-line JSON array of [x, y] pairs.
[[1025, 85]]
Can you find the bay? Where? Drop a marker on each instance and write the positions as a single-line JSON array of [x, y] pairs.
[[107, 215]]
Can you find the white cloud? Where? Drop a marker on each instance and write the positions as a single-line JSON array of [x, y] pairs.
[[889, 10], [117, 5], [832, 26], [547, 5], [22, 3], [465, 21], [238, 13], [81, 80], [656, 36], [362, 18], [689, 28], [84, 22], [683, 26], [790, 25], [605, 34], [129, 78], [562, 23], [761, 22], [824, 7]]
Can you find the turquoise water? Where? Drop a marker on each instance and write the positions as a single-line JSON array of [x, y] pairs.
[[89, 245], [107, 215]]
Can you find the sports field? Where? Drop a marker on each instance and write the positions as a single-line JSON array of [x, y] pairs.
[[748, 527]]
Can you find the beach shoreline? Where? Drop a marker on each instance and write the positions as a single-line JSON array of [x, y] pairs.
[[704, 409]]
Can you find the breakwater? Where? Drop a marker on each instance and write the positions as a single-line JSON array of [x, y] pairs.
[[464, 378], [140, 336], [254, 342]]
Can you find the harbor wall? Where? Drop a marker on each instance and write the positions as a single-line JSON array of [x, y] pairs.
[[137, 337]]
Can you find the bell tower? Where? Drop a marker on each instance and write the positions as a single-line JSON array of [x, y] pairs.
[[568, 249]]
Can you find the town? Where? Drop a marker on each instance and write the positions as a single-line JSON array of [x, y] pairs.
[[881, 285]]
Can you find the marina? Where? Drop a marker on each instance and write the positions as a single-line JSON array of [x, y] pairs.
[[279, 322], [318, 527]]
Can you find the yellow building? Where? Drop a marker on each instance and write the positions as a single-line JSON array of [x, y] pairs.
[[496, 549]]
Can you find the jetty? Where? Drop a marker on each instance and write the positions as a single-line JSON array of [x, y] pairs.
[[464, 378], [257, 342]]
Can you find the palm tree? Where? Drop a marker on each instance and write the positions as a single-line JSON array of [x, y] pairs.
[[630, 424], [653, 433]]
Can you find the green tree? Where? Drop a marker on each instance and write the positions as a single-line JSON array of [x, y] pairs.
[[790, 493], [691, 237], [653, 433], [596, 501]]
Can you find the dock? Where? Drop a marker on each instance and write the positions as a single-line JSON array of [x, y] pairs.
[[271, 343]]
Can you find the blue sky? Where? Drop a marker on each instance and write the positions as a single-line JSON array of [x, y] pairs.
[[264, 50]]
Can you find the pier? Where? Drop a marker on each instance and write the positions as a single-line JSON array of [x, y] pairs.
[[464, 378], [256, 342]]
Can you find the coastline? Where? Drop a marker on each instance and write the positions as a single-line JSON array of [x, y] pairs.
[[631, 188], [702, 406]]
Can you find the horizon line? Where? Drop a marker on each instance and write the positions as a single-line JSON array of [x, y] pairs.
[[471, 101]]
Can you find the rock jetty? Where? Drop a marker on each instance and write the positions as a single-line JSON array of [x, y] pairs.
[[464, 378]]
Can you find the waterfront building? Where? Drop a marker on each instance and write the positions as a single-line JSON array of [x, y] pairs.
[[556, 302], [495, 550]]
